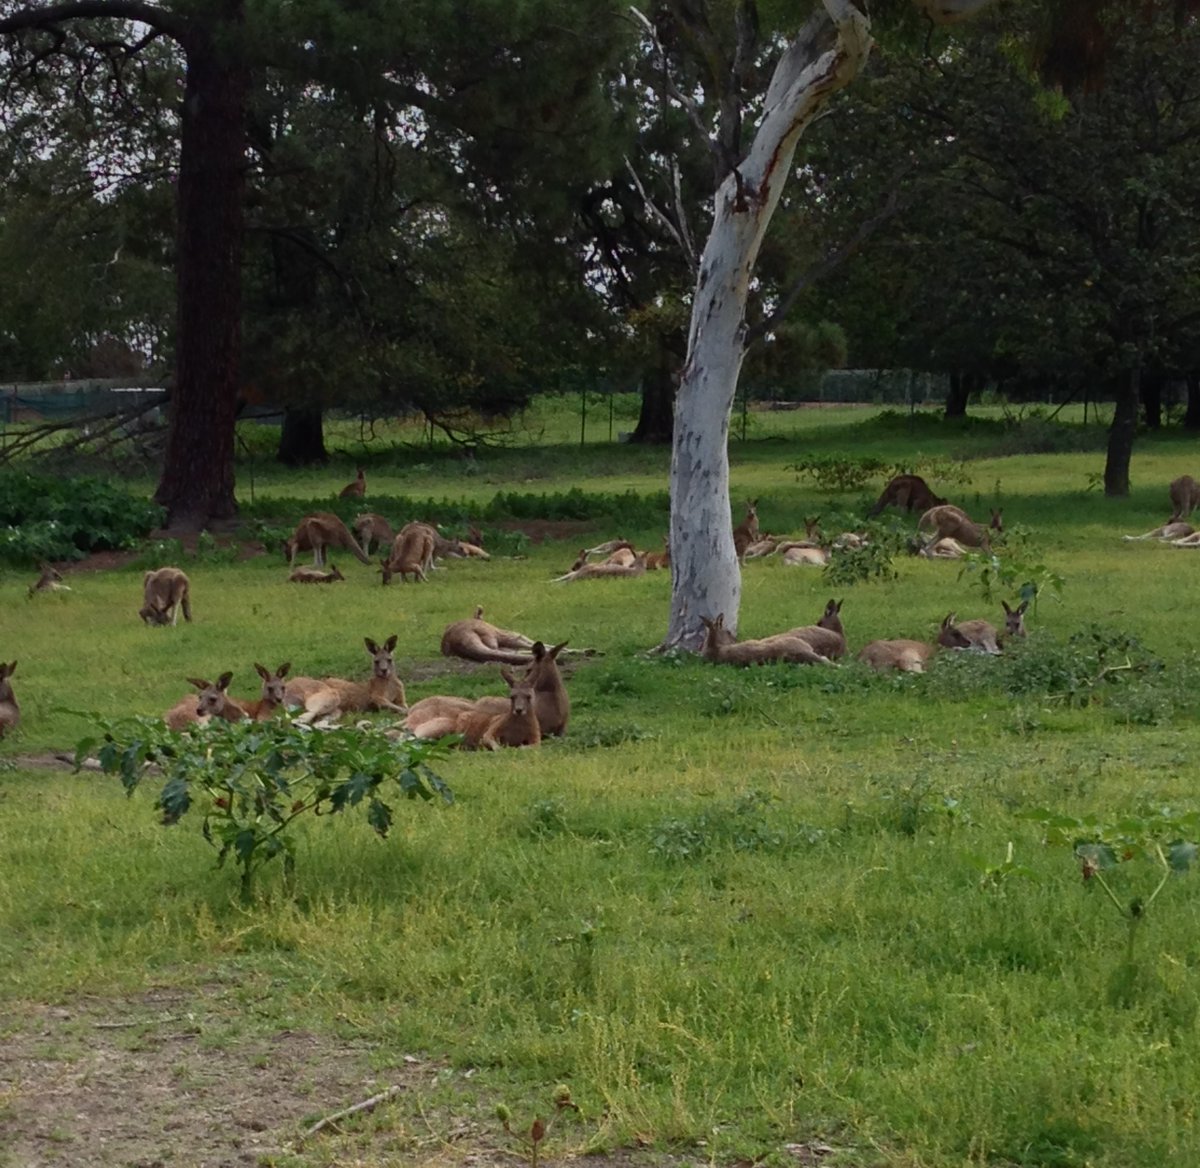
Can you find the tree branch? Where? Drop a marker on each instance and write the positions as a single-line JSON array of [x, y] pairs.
[[54, 15]]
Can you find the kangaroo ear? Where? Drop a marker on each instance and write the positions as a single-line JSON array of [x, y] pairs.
[[390, 643], [949, 621], [261, 670], [508, 677], [1022, 608], [1008, 610], [479, 612], [224, 680], [558, 649], [538, 650], [199, 683], [282, 670], [371, 646]]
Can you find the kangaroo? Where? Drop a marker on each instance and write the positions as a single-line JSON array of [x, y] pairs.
[[477, 640], [550, 699], [315, 532], [909, 492], [1172, 530], [10, 712], [274, 689], [1014, 620], [411, 554], [165, 592], [765, 545], [327, 698], [1185, 496], [356, 489], [799, 554], [939, 549], [950, 522], [211, 702], [746, 532], [436, 716], [373, 531], [306, 575], [981, 635], [910, 656], [1187, 541], [720, 647], [827, 636], [517, 726], [659, 560], [595, 571], [50, 580]]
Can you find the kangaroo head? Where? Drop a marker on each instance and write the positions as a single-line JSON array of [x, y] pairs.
[[478, 612], [334, 574], [520, 692], [950, 636], [6, 671], [1014, 619], [997, 521]]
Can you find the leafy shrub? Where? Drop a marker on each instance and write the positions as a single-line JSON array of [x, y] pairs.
[[52, 518]]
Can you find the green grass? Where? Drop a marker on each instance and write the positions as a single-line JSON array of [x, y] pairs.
[[741, 908]]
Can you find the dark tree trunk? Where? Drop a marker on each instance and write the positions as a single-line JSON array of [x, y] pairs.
[[197, 476], [956, 398], [302, 437], [1120, 435], [1191, 419], [1151, 391], [656, 422]]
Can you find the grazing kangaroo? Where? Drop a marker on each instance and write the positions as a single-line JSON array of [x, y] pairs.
[[1185, 496], [274, 689], [306, 575], [746, 532], [373, 531], [165, 591], [318, 531], [478, 640], [356, 489], [981, 635], [909, 492], [720, 647], [1172, 530], [827, 636], [50, 580], [327, 698], [910, 656], [411, 554], [1014, 620], [950, 522], [10, 712], [211, 702]]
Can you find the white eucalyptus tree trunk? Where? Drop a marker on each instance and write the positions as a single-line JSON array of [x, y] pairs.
[[705, 576]]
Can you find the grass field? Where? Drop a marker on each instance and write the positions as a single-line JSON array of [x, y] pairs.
[[761, 916]]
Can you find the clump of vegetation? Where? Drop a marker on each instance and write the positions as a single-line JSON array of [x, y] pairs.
[[253, 780], [853, 472], [54, 518]]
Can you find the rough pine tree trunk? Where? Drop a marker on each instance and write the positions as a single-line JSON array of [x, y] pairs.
[[1151, 391], [705, 575], [956, 397], [1120, 435], [656, 421], [302, 437], [197, 481], [1191, 418]]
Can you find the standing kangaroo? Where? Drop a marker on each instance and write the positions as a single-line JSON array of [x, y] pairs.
[[10, 712], [909, 492], [356, 489], [373, 531], [165, 591], [1185, 496], [746, 532], [411, 554], [315, 532], [950, 522]]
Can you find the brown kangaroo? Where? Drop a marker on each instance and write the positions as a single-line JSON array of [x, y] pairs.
[[274, 689], [165, 591], [827, 636], [211, 702], [981, 635], [356, 489], [909, 492], [950, 522], [307, 575], [596, 571], [10, 712], [746, 532], [373, 531], [477, 640], [911, 656], [411, 554], [1014, 620], [327, 698], [720, 647], [1171, 530], [1185, 496], [50, 580], [315, 532]]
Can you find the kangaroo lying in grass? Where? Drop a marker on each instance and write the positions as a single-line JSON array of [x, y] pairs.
[[604, 571], [981, 635], [1014, 619], [720, 647], [477, 640], [355, 490], [911, 656], [481, 724], [51, 580], [328, 698], [213, 701], [306, 575], [165, 591], [827, 636], [10, 711], [950, 522], [1170, 531]]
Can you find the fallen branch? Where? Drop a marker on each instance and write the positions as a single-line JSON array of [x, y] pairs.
[[367, 1105]]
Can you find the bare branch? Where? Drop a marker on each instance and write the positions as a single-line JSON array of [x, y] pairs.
[[678, 232]]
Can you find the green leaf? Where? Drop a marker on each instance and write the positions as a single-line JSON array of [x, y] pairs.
[[379, 816], [1100, 854]]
